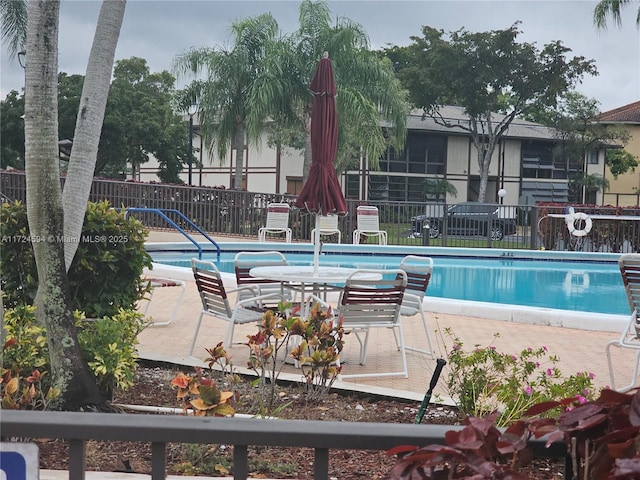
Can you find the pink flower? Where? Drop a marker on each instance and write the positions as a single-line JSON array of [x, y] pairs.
[[528, 390], [544, 348], [549, 372], [514, 358], [537, 364], [581, 399], [592, 375], [456, 346]]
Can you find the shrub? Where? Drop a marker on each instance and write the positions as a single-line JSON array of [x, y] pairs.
[[108, 344], [105, 274], [485, 380], [602, 438], [200, 394], [318, 345]]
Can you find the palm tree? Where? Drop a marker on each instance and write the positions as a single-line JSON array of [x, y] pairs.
[[368, 92], [613, 8], [56, 224], [13, 25], [86, 137], [587, 185], [438, 187], [69, 371], [223, 96]]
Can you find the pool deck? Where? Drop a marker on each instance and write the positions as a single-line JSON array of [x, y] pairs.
[[577, 349]]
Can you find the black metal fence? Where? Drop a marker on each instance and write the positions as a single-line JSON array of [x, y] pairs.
[[240, 214]]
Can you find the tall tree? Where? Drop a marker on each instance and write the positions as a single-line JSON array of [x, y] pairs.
[[140, 121], [575, 121], [223, 96], [478, 71], [611, 8], [95, 91], [12, 131], [69, 370], [369, 95]]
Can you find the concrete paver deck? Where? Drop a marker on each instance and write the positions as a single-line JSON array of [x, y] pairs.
[[577, 350]]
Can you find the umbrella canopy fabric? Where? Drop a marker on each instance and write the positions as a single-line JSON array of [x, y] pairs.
[[321, 193]]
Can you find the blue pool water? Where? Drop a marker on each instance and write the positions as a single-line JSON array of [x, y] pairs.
[[588, 286]]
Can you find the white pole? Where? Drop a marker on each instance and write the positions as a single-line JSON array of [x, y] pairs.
[[316, 245]]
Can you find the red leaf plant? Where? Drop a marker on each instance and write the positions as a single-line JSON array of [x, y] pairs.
[[602, 439]]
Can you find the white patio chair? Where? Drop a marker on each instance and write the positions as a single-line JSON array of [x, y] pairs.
[[245, 261], [277, 222], [368, 225], [215, 300], [328, 226], [418, 270], [630, 270], [373, 299]]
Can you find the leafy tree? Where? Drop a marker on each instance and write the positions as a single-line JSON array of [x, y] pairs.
[[12, 131], [620, 161], [223, 98], [483, 72], [54, 216], [368, 92], [613, 8], [574, 118], [69, 92], [140, 121]]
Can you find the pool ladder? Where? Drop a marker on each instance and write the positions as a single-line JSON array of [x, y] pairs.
[[162, 213]]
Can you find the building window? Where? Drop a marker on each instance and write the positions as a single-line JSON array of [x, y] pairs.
[[294, 185], [592, 157], [538, 161]]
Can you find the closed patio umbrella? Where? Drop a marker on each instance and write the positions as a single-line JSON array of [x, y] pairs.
[[321, 193]]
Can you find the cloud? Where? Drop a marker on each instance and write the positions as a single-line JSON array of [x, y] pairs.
[[158, 30]]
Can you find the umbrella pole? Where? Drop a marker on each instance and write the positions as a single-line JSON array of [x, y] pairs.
[[316, 246]]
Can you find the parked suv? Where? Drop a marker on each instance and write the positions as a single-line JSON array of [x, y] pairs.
[[467, 219]]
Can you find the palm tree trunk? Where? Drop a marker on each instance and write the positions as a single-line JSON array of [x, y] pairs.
[[69, 371], [238, 142], [89, 122]]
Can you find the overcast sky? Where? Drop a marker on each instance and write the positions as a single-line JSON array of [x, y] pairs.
[[157, 30]]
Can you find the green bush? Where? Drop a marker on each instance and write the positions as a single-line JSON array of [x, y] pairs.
[[108, 344], [484, 380], [105, 275]]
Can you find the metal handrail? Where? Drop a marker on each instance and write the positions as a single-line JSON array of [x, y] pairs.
[[239, 432], [162, 214]]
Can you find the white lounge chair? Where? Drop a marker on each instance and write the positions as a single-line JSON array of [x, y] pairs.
[[328, 226], [277, 222], [368, 225], [630, 270]]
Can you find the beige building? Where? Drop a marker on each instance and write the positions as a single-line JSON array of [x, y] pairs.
[[523, 165], [624, 191]]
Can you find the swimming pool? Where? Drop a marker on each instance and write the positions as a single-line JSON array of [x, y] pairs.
[[585, 282]]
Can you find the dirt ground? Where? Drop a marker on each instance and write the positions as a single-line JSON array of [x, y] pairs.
[[152, 387]]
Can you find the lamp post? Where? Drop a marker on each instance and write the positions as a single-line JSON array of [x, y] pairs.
[[192, 111], [502, 193]]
